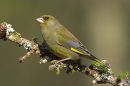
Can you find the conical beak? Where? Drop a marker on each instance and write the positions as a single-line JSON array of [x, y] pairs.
[[40, 20]]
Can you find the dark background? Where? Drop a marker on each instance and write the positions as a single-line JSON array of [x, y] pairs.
[[103, 26]]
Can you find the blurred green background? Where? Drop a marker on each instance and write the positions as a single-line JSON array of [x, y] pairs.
[[103, 26]]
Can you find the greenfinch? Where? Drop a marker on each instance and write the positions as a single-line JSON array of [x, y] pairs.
[[61, 42]]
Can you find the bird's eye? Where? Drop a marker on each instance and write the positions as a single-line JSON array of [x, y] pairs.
[[46, 18]]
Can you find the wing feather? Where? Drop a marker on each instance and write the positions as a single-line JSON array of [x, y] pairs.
[[68, 40]]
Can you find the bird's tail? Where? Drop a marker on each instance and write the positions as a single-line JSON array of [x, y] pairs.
[[92, 57]]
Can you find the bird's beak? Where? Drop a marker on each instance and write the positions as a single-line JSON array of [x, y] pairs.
[[40, 20]]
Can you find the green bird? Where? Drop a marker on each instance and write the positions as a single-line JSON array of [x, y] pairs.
[[61, 42]]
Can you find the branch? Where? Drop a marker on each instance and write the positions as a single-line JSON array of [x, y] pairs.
[[99, 72]]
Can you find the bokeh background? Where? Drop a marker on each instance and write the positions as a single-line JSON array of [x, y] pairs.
[[103, 26]]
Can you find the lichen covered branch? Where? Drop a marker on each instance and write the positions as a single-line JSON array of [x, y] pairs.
[[99, 72]]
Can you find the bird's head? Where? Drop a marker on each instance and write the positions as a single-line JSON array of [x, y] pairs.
[[47, 21]]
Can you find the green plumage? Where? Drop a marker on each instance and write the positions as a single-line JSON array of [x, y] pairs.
[[60, 41]]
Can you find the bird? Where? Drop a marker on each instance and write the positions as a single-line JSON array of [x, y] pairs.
[[61, 42]]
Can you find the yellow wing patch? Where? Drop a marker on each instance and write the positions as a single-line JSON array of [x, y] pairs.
[[76, 51], [72, 49]]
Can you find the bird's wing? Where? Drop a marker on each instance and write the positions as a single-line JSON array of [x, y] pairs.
[[69, 41]]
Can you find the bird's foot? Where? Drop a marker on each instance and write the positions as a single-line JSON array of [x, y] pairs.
[[60, 61]]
